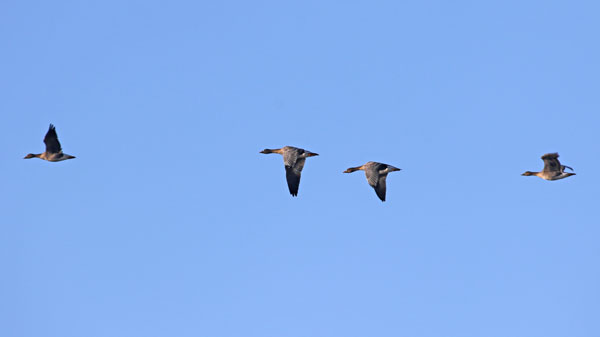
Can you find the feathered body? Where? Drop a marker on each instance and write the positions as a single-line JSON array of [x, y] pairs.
[[293, 160], [53, 149], [376, 174], [553, 170]]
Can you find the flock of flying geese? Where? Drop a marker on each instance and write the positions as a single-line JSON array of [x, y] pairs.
[[294, 158]]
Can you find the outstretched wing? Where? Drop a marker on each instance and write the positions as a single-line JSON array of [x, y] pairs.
[[51, 141], [292, 174], [372, 173], [551, 163], [565, 166], [293, 180], [294, 163], [290, 156], [380, 188], [299, 165]]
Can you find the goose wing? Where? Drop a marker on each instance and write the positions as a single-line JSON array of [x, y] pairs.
[[551, 163], [294, 163], [51, 141], [380, 188], [565, 166], [292, 175], [291, 155], [372, 173], [377, 178]]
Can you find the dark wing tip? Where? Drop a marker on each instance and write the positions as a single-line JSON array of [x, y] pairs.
[[293, 180], [380, 192], [51, 140], [550, 156], [51, 131]]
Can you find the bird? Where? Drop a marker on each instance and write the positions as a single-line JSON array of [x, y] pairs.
[[293, 159], [53, 149], [376, 175], [553, 170]]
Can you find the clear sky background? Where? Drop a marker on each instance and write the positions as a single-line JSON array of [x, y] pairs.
[[170, 222]]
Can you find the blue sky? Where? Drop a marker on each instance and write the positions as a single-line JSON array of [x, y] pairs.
[[170, 222]]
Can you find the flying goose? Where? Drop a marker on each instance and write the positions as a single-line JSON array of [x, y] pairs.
[[376, 174], [293, 159], [53, 150], [553, 170]]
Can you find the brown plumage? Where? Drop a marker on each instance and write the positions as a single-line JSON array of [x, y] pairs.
[[376, 175], [53, 149], [293, 160], [553, 170]]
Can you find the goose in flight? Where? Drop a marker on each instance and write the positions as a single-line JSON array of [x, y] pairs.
[[53, 150], [293, 159], [376, 174], [553, 170]]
